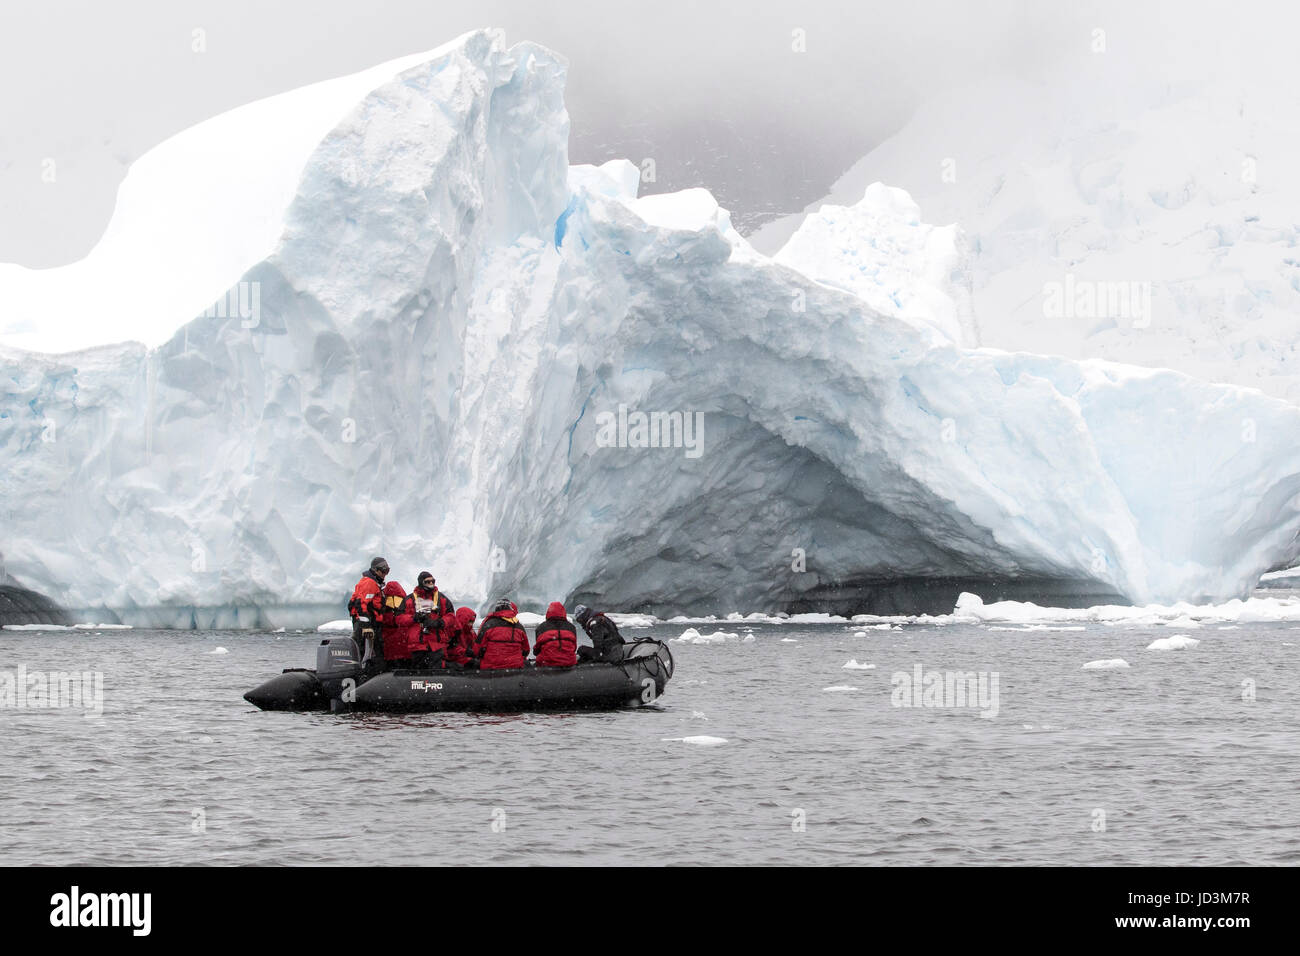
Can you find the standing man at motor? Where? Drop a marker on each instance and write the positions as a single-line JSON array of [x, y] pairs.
[[607, 642], [431, 606], [365, 607]]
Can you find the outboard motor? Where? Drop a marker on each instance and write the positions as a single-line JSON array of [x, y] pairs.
[[338, 668]]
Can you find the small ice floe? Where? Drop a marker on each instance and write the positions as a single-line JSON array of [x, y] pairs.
[[692, 636], [343, 625], [698, 715], [853, 665], [36, 627], [1182, 621], [218, 650], [859, 633], [817, 618], [699, 740], [102, 627], [1106, 665], [1230, 627], [838, 689], [530, 618], [622, 620], [789, 640], [1179, 642], [1287, 644], [1040, 627], [747, 639], [278, 630]]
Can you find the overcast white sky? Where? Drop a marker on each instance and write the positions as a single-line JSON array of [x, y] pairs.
[[712, 90]]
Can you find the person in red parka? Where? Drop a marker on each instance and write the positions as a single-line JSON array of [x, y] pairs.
[[401, 632], [502, 640], [459, 628], [365, 607], [555, 642]]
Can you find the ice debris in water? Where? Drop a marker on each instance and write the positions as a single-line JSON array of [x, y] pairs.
[[1179, 642], [1108, 664], [699, 740], [853, 665], [692, 636]]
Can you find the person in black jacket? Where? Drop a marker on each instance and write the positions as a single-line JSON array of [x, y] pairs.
[[607, 642]]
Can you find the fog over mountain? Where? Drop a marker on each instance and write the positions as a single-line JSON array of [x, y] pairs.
[[766, 104]]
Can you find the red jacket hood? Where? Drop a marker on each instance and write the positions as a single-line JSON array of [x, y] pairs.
[[556, 609], [393, 589]]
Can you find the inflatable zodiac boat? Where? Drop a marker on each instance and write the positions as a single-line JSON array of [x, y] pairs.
[[338, 684]]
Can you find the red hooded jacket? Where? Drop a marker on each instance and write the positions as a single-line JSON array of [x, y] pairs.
[[502, 641], [555, 642], [459, 628], [401, 634]]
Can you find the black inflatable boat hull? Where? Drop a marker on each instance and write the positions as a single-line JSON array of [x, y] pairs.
[[587, 686], [292, 690], [638, 680]]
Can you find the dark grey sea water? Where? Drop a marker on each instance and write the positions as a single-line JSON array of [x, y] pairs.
[[1169, 761]]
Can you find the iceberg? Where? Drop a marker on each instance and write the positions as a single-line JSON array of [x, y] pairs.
[[422, 355]]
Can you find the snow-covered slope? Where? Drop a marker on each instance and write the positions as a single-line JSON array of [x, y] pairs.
[[453, 326], [192, 215], [1100, 182]]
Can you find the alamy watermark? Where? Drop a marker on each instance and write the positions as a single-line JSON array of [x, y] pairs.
[[946, 689], [243, 301], [651, 430], [1088, 299], [26, 689]]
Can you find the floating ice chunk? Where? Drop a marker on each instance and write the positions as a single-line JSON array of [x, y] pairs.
[[36, 627], [343, 625], [1109, 664], [859, 633], [218, 650], [717, 637], [789, 640], [699, 740], [747, 639], [838, 689], [102, 627], [1179, 642], [530, 618], [692, 636], [626, 620], [853, 665]]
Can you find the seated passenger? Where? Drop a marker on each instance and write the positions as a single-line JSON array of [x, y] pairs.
[[607, 642], [400, 634], [555, 641], [459, 629], [502, 640]]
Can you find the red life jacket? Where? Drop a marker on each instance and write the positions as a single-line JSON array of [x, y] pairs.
[[555, 643], [434, 603], [461, 640], [367, 598], [401, 634], [502, 641]]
